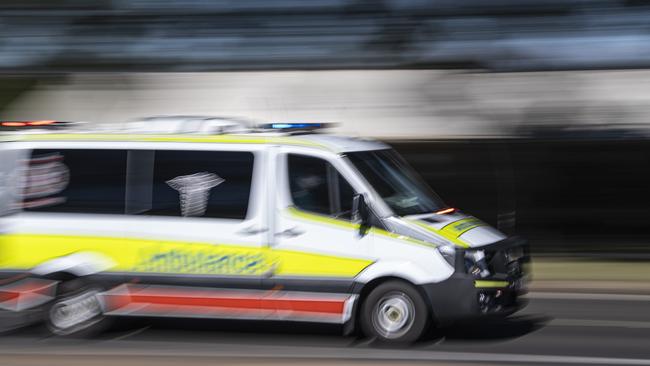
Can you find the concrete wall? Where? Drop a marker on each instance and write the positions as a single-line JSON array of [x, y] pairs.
[[385, 104]]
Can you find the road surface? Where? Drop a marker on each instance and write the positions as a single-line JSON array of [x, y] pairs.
[[556, 328]]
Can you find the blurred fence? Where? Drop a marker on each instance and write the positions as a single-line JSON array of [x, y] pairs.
[[201, 35]]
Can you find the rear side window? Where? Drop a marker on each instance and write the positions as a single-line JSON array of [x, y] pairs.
[[316, 186], [213, 184], [75, 181]]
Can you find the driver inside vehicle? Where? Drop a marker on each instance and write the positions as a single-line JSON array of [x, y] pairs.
[[317, 187]]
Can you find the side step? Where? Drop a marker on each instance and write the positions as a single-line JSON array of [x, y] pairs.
[[177, 301]]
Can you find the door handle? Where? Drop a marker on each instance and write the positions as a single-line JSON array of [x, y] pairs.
[[252, 230], [290, 233]]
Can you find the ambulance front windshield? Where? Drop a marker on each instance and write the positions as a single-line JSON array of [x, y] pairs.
[[396, 182]]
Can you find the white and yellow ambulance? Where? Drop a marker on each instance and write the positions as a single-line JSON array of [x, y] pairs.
[[212, 219]]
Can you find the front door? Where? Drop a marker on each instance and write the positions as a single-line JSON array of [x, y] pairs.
[[317, 248]]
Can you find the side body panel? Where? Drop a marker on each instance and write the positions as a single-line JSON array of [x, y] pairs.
[[141, 243]]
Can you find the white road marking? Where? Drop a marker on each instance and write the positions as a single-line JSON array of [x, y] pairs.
[[137, 331], [600, 323], [587, 296], [524, 358]]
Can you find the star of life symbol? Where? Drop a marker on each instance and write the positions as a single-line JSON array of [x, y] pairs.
[[39, 182], [194, 191]]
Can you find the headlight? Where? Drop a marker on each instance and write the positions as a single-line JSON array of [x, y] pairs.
[[475, 263], [449, 253]]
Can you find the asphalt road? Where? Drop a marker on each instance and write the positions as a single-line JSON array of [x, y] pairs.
[[555, 328]]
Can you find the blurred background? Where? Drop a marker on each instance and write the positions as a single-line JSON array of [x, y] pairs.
[[530, 114]]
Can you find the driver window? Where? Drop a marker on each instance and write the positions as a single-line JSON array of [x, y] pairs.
[[317, 187]]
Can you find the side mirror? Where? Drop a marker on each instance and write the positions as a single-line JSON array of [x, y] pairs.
[[361, 214]]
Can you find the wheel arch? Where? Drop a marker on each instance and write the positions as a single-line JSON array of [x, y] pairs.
[[364, 289], [78, 264]]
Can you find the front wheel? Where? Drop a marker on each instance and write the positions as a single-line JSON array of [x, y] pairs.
[[394, 312]]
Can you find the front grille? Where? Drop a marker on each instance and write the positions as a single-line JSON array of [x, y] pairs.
[[506, 260], [509, 262]]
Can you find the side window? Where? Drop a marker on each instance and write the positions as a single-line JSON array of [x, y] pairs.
[[317, 187], [75, 180], [200, 183]]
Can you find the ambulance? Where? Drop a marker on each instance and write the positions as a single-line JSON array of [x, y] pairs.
[[207, 217]]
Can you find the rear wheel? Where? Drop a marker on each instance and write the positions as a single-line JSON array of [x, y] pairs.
[[394, 312], [76, 311]]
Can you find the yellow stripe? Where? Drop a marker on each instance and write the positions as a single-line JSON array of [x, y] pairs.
[[25, 251], [227, 139], [490, 284], [405, 238], [295, 212], [297, 263], [445, 234], [313, 217], [293, 263], [458, 228]]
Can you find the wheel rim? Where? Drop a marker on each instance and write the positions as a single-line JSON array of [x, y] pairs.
[[75, 313], [393, 316]]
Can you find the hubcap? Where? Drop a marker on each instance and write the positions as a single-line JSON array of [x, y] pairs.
[[75, 313], [393, 315]]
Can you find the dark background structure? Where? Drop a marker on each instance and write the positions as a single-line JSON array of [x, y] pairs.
[[567, 196]]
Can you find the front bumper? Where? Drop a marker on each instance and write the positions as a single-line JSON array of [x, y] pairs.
[[460, 298], [464, 297]]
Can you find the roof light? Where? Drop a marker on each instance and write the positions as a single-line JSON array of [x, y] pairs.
[[446, 211], [13, 124], [295, 126], [43, 123], [40, 123]]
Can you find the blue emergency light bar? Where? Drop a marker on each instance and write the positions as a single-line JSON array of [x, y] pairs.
[[296, 126]]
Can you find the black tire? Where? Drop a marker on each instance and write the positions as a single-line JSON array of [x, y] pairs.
[[394, 312], [75, 297]]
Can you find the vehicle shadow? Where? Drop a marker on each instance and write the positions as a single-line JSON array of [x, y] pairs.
[[492, 329], [295, 333]]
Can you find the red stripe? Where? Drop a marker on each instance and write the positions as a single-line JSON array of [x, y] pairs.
[[310, 306], [194, 310], [8, 295], [24, 287], [196, 301]]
